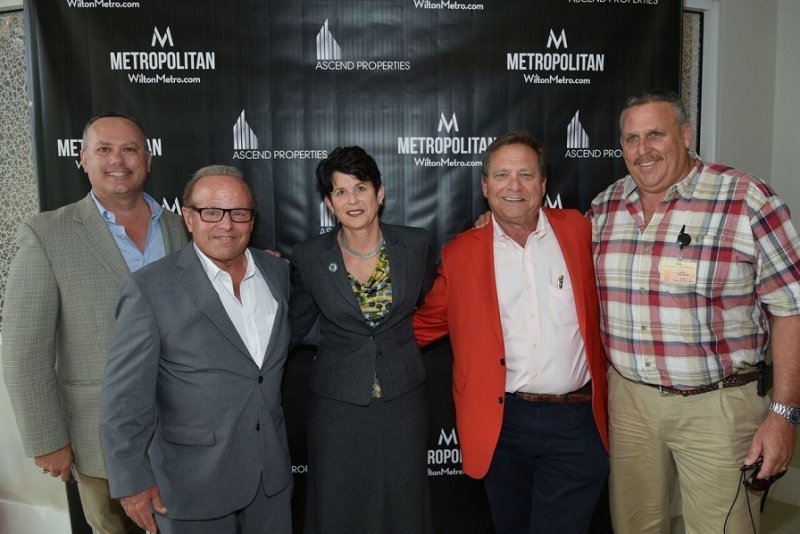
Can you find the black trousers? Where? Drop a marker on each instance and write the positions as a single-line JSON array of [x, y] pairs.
[[548, 469]]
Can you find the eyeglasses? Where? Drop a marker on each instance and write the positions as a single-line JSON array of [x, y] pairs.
[[212, 215]]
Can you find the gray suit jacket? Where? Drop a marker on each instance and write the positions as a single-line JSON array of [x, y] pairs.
[[351, 353], [59, 313], [184, 406]]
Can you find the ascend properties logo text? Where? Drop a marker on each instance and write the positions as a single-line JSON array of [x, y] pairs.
[[329, 56], [245, 145]]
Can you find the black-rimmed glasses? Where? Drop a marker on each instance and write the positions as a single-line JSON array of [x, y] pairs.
[[212, 215]]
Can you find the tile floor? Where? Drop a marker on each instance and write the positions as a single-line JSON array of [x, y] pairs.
[[778, 518]]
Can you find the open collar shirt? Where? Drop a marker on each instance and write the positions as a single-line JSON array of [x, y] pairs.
[[545, 352], [692, 316], [253, 315], [154, 247]]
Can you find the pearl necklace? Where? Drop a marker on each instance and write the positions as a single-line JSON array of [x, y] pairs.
[[357, 254]]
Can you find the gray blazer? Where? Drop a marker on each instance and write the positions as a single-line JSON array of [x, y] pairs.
[[59, 313], [184, 405], [351, 353]]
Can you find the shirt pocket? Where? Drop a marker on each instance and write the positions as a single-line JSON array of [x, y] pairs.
[[562, 305], [721, 271]]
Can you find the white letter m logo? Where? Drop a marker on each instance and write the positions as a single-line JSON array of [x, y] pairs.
[[161, 39], [448, 439], [447, 125], [557, 41]]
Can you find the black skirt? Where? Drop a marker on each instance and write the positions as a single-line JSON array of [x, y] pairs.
[[367, 466]]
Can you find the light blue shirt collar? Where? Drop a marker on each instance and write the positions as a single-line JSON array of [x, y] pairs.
[[154, 248]]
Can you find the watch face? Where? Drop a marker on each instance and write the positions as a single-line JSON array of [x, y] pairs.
[[794, 416]]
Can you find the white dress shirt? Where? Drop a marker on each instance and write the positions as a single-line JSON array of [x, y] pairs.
[[545, 352], [254, 315]]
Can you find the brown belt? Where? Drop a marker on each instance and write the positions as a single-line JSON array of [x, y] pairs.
[[579, 395], [732, 381]]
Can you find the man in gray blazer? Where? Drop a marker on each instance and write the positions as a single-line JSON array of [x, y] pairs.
[[59, 308], [191, 416]]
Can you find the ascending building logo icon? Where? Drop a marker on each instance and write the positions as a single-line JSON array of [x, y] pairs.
[[576, 135], [327, 47], [326, 218], [243, 136]]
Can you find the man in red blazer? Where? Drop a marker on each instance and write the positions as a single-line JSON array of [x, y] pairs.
[[519, 300]]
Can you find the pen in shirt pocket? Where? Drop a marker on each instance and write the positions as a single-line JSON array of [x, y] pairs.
[[560, 281]]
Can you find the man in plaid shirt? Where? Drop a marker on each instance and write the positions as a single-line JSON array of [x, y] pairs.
[[698, 269]]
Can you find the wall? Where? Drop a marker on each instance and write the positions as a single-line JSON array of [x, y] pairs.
[[29, 501], [17, 176], [786, 143], [6, 5], [758, 114], [747, 84], [759, 78], [786, 156]]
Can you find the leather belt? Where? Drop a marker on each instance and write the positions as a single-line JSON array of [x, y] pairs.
[[732, 381], [579, 395]]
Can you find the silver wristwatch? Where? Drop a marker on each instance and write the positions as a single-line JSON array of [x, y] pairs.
[[791, 413]]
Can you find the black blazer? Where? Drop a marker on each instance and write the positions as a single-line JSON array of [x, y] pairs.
[[351, 353]]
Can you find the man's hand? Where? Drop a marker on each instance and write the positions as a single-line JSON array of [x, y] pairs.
[[57, 463], [483, 219], [140, 507], [774, 441], [775, 436]]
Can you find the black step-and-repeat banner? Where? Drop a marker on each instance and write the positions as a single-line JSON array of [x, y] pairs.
[[423, 85]]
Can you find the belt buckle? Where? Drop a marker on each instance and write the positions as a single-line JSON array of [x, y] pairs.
[[664, 392]]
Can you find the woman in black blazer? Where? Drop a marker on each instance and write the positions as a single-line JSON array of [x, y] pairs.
[[368, 414]]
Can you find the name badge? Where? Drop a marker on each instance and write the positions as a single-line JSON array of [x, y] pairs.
[[678, 270]]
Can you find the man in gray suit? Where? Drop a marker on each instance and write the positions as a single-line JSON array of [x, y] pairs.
[[59, 308], [191, 416]]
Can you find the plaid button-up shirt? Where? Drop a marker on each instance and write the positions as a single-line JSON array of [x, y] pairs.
[[693, 329]]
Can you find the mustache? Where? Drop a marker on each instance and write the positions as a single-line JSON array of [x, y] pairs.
[[647, 158]]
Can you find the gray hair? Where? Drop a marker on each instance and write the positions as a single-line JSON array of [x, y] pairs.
[[652, 96], [215, 170]]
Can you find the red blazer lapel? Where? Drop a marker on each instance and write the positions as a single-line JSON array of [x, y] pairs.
[[482, 259]]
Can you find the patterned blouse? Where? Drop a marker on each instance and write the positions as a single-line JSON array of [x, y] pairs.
[[375, 298]]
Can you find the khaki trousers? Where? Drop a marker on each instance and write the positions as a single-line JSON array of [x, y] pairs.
[[104, 514], [699, 441]]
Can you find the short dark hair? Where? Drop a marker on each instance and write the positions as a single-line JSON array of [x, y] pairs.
[[107, 115], [517, 137], [216, 170], [652, 96], [352, 160]]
